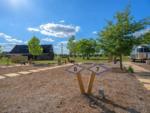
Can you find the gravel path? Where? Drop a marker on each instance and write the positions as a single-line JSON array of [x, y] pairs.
[[142, 73], [137, 68], [57, 91]]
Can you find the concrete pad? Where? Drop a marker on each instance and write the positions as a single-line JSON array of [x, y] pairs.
[[41, 69], [136, 67], [3, 67], [46, 68], [2, 77], [24, 72], [145, 80], [11, 66], [147, 86], [11, 74], [34, 70]]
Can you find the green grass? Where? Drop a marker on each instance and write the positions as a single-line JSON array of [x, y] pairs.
[[96, 59], [92, 59], [5, 61], [45, 62], [126, 58]]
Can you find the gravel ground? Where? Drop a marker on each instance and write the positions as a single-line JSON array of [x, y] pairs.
[[146, 66], [57, 91]]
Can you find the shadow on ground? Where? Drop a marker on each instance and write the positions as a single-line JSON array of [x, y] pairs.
[[109, 106], [96, 101]]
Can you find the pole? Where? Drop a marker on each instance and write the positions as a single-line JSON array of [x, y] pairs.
[[62, 49], [90, 86], [80, 83]]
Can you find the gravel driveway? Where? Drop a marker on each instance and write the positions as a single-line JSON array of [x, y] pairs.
[[57, 91]]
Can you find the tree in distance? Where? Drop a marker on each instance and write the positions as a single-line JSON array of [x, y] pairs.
[[34, 47]]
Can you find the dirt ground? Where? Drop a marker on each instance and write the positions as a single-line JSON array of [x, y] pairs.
[[57, 91]]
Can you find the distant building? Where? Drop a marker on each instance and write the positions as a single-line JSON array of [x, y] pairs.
[[48, 53]]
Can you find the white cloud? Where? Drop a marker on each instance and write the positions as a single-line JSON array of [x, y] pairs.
[[18, 4], [48, 40], [57, 30], [142, 32], [62, 21], [9, 38], [26, 42], [7, 46], [94, 32], [33, 29], [63, 42]]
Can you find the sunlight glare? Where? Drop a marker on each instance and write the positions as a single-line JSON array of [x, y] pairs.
[[18, 3]]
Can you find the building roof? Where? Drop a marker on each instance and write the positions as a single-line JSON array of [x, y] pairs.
[[23, 49]]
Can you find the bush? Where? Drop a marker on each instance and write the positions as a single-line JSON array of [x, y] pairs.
[[59, 61], [5, 61], [130, 69], [19, 59], [1, 55]]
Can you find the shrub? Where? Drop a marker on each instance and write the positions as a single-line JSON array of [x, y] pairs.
[[130, 69], [5, 61], [59, 61], [19, 59]]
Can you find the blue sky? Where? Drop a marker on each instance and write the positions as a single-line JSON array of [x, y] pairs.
[[53, 21]]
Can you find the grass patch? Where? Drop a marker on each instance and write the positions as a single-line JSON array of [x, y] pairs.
[[125, 58], [102, 59], [45, 62], [92, 59], [5, 61]]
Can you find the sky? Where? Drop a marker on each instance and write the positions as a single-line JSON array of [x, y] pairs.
[[54, 21]]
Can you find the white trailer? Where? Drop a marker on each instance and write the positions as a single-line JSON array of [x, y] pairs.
[[141, 53]]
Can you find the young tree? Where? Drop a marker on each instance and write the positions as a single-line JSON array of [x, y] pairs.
[[1, 52], [0, 49], [146, 38], [34, 46], [71, 45], [86, 47], [116, 38]]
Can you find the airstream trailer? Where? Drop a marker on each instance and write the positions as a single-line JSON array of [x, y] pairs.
[[141, 53]]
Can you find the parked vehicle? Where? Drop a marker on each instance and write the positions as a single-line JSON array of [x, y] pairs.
[[141, 53]]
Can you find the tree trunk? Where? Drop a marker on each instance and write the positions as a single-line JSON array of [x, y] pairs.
[[115, 59], [110, 58], [83, 57], [34, 57], [121, 66], [87, 57]]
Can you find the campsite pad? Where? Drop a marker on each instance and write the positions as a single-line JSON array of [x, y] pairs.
[[57, 91]]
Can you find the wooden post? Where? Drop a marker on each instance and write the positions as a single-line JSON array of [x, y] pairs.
[[90, 86], [80, 83]]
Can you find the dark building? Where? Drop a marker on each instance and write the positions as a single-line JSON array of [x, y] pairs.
[[48, 53]]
